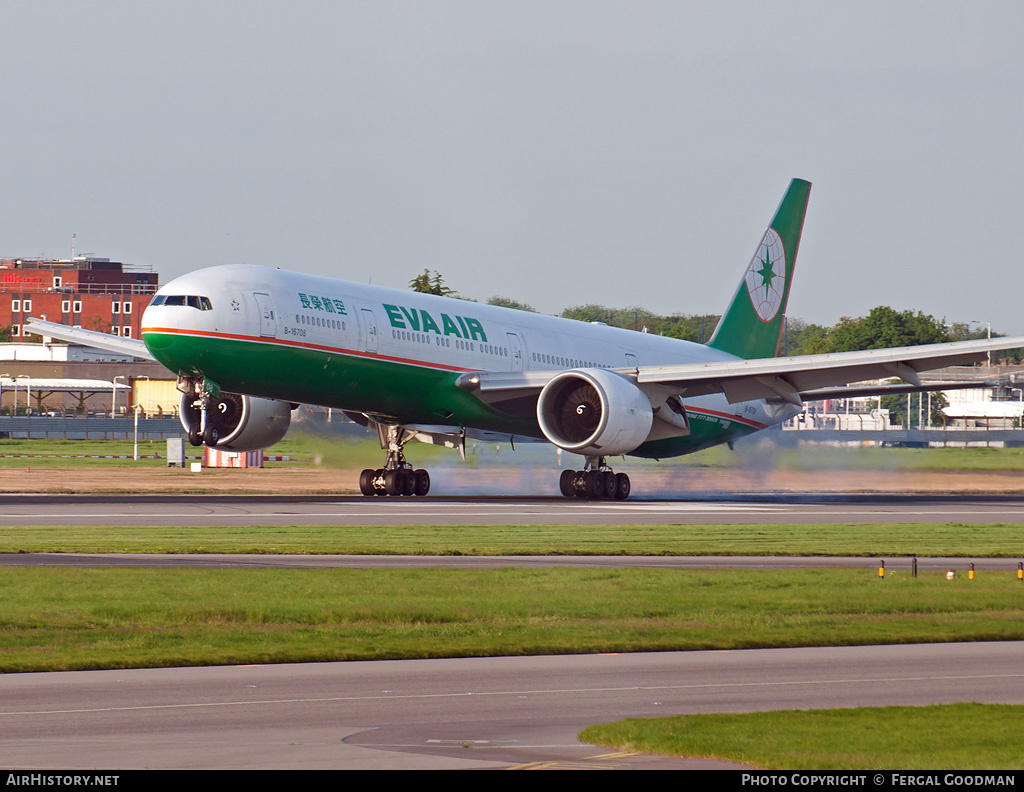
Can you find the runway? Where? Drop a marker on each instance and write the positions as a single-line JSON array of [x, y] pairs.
[[457, 714], [49, 509]]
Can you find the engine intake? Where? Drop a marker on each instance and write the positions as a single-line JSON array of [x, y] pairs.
[[594, 412], [242, 423]]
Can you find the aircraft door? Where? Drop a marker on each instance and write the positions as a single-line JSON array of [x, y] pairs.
[[515, 352], [268, 319], [370, 330]]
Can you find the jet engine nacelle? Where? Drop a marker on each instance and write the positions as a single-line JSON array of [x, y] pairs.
[[242, 423], [594, 412]]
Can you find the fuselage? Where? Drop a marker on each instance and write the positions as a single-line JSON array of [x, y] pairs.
[[369, 349]]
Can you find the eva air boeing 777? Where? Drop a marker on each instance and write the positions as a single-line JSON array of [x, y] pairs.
[[249, 344]]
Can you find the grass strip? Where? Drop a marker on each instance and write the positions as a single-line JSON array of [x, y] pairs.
[[953, 737], [307, 450], [77, 618], [994, 540]]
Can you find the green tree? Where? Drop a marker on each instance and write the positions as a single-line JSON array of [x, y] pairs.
[[896, 404], [427, 284], [508, 302], [802, 338], [884, 327], [676, 326]]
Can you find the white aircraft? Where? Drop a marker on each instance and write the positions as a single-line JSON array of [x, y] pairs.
[[249, 344]]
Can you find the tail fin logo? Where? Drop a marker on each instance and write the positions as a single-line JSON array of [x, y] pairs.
[[766, 276]]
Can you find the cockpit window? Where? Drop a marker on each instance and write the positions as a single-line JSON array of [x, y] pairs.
[[191, 300]]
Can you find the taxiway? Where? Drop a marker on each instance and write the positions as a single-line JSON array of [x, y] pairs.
[[459, 713]]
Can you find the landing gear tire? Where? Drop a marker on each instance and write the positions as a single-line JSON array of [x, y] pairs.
[[194, 437], [366, 483], [393, 482], [622, 488], [422, 482], [608, 484], [565, 483], [211, 436], [378, 476]]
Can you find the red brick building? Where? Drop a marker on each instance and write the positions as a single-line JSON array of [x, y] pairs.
[[93, 293]]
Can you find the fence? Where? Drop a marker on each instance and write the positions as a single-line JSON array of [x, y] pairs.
[[86, 428]]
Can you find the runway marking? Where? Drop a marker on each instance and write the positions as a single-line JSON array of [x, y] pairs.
[[472, 742], [549, 692], [600, 762]]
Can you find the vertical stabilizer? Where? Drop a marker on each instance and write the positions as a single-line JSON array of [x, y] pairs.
[[752, 325]]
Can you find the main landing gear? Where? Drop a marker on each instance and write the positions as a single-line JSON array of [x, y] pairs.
[[596, 481], [397, 477]]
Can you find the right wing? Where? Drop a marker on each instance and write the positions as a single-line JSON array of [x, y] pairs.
[[89, 338]]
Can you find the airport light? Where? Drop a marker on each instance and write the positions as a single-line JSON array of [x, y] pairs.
[[113, 395], [28, 395], [988, 335], [145, 377]]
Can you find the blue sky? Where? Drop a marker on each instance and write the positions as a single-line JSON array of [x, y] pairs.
[[559, 153]]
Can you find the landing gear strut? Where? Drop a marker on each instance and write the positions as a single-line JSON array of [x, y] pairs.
[[205, 432], [211, 411], [596, 481], [397, 477]]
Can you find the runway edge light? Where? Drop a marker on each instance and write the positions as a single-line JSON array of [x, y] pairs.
[[881, 569]]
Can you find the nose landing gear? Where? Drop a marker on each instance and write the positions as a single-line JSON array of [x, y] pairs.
[[211, 413]]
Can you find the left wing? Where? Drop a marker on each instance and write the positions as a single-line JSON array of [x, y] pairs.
[[789, 379]]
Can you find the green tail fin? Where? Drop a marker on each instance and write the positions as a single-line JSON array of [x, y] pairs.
[[752, 325]]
